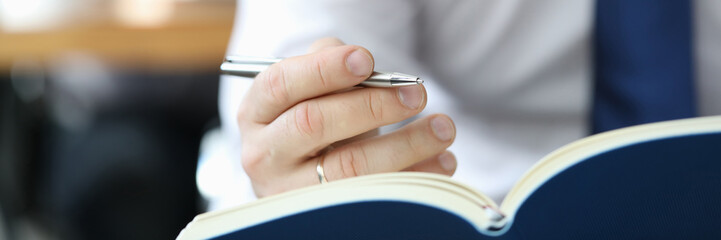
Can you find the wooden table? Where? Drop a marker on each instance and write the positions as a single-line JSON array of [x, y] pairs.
[[193, 39]]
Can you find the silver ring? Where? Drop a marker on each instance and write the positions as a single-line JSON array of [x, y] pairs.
[[320, 171]]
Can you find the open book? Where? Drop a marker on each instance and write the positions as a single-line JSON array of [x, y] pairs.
[[660, 180]]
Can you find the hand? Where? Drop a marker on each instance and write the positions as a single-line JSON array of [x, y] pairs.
[[299, 107]]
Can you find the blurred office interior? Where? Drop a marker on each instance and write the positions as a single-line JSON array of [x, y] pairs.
[[103, 106]]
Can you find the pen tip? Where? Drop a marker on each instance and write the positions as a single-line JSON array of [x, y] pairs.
[[419, 80]]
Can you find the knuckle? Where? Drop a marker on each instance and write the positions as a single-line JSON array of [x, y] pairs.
[[258, 161], [318, 68], [241, 116], [374, 103], [353, 162], [309, 120], [275, 84], [411, 141], [251, 160]]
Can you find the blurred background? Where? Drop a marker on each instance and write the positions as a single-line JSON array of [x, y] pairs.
[[103, 104]]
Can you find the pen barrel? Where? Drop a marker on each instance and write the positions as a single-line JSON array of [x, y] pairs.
[[242, 69], [390, 79], [251, 67], [376, 82]]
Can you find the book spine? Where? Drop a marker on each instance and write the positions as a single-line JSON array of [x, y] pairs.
[[496, 217]]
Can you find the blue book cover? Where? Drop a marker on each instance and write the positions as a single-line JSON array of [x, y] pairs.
[[654, 181]]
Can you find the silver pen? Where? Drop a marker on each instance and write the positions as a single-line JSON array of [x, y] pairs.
[[251, 66]]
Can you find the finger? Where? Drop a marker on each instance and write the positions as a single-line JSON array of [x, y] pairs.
[[319, 122], [366, 135], [295, 79], [274, 182], [444, 163], [324, 43], [396, 151]]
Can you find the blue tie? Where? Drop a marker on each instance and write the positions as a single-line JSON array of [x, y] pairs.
[[643, 63]]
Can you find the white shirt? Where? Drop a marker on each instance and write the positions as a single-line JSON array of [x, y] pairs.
[[514, 75]]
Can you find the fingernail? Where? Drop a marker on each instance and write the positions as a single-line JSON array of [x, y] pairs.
[[443, 128], [411, 96], [447, 161], [359, 63]]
